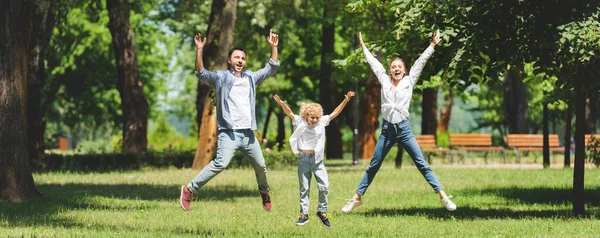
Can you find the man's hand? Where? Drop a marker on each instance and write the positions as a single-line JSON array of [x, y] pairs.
[[273, 39], [199, 41]]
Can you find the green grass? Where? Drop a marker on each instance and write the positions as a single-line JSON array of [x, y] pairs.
[[492, 202]]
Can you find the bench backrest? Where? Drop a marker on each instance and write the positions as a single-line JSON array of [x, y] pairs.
[[426, 140], [531, 140], [470, 140]]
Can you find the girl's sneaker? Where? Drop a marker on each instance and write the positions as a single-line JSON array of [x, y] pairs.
[[324, 219], [302, 220]]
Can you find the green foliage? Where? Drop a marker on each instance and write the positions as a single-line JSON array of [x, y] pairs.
[[103, 161], [81, 88], [594, 150]]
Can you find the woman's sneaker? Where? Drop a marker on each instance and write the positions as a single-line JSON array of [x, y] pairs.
[[448, 204], [302, 220], [324, 219], [351, 205]]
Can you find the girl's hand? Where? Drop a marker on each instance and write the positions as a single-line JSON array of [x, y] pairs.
[[349, 95]]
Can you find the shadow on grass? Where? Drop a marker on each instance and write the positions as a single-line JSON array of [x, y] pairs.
[[525, 196], [134, 197], [472, 213]]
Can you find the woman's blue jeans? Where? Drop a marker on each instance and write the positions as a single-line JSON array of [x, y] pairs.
[[390, 135], [228, 142]]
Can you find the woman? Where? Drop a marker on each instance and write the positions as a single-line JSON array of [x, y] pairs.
[[396, 93]]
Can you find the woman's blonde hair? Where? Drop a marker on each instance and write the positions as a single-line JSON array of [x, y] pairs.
[[307, 109]]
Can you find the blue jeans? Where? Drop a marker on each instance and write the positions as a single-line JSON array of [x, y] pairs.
[[390, 135], [230, 141], [306, 167]]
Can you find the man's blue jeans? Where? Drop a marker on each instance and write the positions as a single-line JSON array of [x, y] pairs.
[[230, 141], [306, 168], [390, 135]]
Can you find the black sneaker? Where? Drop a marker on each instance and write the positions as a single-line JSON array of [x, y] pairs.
[[302, 220], [324, 219]]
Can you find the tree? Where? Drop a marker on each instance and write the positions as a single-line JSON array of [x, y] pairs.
[[134, 105], [326, 84], [16, 180], [219, 39], [578, 65], [43, 25]]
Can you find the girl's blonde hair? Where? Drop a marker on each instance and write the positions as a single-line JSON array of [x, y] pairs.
[[307, 109]]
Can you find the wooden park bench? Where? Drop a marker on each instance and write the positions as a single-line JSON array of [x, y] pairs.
[[474, 142], [429, 146], [532, 142]]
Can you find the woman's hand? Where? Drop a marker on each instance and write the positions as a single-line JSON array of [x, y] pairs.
[[362, 43], [436, 37]]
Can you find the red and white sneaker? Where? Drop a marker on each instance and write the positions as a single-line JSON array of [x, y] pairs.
[[266, 201], [185, 198]]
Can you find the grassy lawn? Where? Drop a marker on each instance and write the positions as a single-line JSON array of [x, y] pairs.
[[492, 202]]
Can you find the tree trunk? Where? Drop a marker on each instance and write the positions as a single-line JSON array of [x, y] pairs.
[[546, 142], [280, 130], [429, 123], [270, 110], [333, 147], [369, 104], [134, 105], [567, 136], [399, 154], [591, 114], [16, 180], [515, 102], [578, 172], [445, 113], [207, 140], [219, 39], [43, 25]]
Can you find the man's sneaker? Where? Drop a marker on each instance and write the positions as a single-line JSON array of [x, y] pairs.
[[324, 219], [266, 201], [446, 202], [351, 205], [302, 220], [185, 198]]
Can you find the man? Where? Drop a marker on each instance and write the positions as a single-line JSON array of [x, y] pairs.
[[236, 118]]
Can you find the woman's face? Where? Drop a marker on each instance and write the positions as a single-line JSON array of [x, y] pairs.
[[397, 70]]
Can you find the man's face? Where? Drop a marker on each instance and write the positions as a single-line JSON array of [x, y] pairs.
[[237, 61], [397, 70]]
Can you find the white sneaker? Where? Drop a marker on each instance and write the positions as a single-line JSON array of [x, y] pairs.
[[446, 202], [351, 205]]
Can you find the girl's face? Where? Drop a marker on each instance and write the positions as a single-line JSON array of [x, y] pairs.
[[313, 119], [397, 70]]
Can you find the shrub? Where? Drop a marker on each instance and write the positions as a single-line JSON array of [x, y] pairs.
[[156, 159]]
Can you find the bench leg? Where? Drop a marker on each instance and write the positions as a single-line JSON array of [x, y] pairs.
[[518, 159], [485, 157], [463, 155], [504, 154]]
